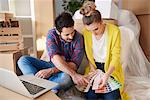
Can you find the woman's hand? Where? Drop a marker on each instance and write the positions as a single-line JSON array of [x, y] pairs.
[[106, 76], [103, 80]]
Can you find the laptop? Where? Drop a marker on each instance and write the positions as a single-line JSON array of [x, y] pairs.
[[27, 85]]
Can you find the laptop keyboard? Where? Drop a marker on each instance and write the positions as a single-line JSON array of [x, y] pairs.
[[32, 88]]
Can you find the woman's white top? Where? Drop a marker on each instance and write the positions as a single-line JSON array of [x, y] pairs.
[[99, 47]]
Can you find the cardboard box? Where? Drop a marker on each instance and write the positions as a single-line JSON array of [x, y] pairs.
[[11, 46], [10, 39], [10, 31], [8, 59], [2, 17], [145, 33], [9, 24], [40, 53], [107, 8], [137, 6], [6, 16]]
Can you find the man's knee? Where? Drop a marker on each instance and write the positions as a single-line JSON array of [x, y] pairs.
[[22, 60], [66, 81]]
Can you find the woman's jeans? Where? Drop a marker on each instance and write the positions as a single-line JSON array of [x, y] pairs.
[[31, 65], [91, 95]]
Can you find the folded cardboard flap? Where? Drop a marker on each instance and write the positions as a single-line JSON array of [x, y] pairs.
[[5, 16], [137, 6]]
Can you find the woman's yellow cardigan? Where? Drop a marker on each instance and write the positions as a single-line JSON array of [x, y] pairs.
[[113, 54]]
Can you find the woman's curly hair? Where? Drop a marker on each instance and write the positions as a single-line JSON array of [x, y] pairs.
[[87, 7]]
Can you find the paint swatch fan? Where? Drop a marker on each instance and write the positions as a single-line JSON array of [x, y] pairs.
[[94, 81]]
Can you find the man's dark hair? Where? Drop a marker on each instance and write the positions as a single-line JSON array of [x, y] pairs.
[[64, 20]]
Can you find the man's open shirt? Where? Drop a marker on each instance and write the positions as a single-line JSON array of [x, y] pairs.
[[70, 51]]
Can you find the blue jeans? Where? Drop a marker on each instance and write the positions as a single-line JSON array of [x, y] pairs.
[[114, 95], [31, 65], [91, 95]]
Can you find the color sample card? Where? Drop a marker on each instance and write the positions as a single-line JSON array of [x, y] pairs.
[[111, 85], [94, 79]]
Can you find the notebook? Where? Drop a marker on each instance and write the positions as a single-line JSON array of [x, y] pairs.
[[27, 85], [94, 81]]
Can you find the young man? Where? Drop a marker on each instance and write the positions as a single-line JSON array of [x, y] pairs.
[[65, 49]]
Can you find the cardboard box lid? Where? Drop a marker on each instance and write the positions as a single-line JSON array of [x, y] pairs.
[[107, 8], [137, 6], [7, 14], [2, 17]]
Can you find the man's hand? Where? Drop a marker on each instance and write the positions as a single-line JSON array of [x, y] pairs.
[[79, 79], [45, 73]]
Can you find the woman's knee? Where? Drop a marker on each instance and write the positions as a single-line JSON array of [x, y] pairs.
[[91, 95], [114, 95]]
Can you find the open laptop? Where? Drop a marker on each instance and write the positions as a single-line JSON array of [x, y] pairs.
[[27, 85]]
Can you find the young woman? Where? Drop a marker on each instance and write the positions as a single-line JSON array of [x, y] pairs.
[[102, 45]]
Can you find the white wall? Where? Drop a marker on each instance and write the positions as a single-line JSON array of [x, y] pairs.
[[4, 5], [58, 7], [44, 16]]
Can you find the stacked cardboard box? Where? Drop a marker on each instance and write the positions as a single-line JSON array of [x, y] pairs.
[[10, 33], [5, 16], [8, 59], [141, 8]]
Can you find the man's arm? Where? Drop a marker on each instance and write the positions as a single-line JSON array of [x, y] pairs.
[[64, 66], [46, 73], [72, 65]]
